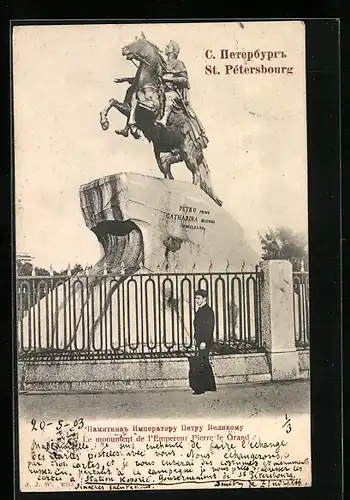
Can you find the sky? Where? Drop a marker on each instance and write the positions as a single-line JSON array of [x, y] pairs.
[[256, 125]]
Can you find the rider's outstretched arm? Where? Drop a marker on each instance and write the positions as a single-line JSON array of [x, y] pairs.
[[123, 80]]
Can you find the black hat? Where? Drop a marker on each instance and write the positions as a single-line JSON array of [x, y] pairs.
[[201, 293]]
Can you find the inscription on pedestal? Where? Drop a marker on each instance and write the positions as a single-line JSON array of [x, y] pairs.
[[191, 217]]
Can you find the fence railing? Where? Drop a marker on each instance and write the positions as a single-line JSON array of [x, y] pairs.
[[301, 309], [142, 315]]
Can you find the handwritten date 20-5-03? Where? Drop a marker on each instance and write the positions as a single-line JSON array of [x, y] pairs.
[[77, 423]]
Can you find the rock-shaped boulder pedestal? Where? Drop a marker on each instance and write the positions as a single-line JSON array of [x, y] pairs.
[[168, 225]]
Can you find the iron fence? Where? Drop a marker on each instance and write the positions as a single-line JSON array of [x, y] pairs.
[[301, 309], [142, 315]]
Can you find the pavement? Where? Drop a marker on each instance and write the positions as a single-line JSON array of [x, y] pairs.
[[248, 400]]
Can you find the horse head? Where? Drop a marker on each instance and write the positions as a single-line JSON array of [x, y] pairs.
[[144, 51]]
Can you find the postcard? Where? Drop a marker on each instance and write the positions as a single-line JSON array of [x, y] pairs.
[[162, 287]]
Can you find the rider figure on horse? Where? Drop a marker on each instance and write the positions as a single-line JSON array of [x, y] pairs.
[[176, 81], [156, 105], [176, 85], [176, 93]]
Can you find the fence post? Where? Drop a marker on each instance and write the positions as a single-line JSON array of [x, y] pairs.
[[277, 320]]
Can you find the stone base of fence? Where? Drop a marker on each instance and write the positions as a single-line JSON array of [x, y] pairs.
[[277, 320], [113, 376], [272, 314], [304, 363]]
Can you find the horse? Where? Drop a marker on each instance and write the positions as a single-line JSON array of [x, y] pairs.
[[144, 104]]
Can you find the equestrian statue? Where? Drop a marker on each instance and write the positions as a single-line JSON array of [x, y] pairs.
[[156, 105]]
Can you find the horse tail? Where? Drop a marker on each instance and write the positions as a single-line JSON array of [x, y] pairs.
[[205, 182]]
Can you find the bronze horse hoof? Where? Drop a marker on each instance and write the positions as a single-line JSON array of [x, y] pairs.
[[136, 134], [124, 132], [104, 122]]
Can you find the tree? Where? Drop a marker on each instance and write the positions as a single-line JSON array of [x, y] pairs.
[[32, 290], [77, 268], [25, 268], [284, 243]]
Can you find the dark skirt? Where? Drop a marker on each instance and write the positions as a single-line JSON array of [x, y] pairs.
[[201, 376]]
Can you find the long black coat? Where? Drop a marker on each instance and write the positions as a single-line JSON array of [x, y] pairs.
[[201, 376], [204, 325]]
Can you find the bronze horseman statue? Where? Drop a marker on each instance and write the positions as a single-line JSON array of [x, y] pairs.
[[156, 105]]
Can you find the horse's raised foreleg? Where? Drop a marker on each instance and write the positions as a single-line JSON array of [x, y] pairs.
[[122, 107]]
